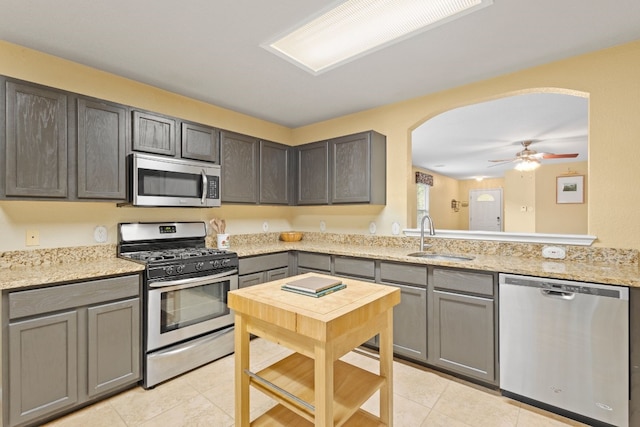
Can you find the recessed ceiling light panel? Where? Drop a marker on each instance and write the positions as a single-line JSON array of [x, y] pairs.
[[357, 27]]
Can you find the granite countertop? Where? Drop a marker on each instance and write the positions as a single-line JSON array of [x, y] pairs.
[[607, 273], [79, 270], [23, 269]]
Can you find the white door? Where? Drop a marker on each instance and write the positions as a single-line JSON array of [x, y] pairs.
[[485, 209]]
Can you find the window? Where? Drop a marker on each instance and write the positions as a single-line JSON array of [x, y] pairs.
[[422, 201]]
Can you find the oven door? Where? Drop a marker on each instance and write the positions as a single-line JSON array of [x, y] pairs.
[[160, 181], [186, 308]]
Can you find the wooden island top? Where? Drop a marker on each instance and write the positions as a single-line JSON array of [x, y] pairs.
[[319, 330]]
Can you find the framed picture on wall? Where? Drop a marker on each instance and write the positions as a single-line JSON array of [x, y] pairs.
[[570, 189]]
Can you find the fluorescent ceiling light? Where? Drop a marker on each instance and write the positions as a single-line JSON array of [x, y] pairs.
[[357, 27]]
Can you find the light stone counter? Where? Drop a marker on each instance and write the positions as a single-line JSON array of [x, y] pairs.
[[22, 269], [599, 267]]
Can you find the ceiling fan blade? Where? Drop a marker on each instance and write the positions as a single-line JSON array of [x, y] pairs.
[[559, 156], [503, 160]]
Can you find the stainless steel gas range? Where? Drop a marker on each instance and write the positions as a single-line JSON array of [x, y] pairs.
[[187, 322]]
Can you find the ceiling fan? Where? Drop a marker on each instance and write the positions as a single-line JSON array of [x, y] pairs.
[[530, 159]]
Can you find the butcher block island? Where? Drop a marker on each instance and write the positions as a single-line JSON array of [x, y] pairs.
[[319, 331]]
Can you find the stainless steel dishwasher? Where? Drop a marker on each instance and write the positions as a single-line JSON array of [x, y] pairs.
[[566, 344]]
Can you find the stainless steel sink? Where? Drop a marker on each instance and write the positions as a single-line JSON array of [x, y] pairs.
[[441, 257]]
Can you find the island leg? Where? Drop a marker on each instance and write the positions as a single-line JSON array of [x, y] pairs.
[[386, 370], [323, 383], [241, 343]]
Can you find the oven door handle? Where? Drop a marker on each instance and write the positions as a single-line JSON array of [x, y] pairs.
[[193, 281], [205, 184]]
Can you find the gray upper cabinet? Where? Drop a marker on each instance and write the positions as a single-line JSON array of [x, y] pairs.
[[200, 143], [275, 173], [313, 174], [36, 141], [154, 133], [255, 171], [240, 165], [102, 141], [358, 165], [346, 170]]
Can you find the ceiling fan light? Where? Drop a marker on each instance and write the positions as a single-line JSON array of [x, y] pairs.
[[527, 165]]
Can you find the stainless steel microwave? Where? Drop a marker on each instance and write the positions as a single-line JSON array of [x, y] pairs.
[[166, 181]]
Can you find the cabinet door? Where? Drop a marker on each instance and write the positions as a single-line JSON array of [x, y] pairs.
[[358, 164], [351, 178], [42, 366], [102, 130], [36, 141], [274, 173], [410, 323], [153, 133], [114, 351], [463, 335], [313, 174], [200, 143], [239, 168]]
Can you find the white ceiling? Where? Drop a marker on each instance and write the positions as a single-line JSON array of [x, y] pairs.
[[210, 49]]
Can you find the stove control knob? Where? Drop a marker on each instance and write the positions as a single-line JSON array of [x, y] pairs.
[[226, 262], [169, 269], [180, 268], [199, 266], [216, 263]]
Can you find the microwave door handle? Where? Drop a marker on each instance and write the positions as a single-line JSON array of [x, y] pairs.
[[205, 183]]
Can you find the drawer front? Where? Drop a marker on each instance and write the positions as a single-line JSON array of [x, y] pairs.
[[277, 274], [251, 279], [403, 273], [263, 262], [354, 267], [320, 262], [54, 298], [463, 281]]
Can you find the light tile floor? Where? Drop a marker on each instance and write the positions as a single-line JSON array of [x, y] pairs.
[[204, 397]]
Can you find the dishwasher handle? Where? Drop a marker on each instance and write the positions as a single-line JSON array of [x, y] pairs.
[[552, 293]]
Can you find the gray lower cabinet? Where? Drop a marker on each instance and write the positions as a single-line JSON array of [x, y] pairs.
[[410, 316], [102, 132], [35, 151], [262, 268], [67, 345], [308, 262], [462, 333]]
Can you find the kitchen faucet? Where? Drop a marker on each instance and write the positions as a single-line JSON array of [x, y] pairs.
[[432, 231]]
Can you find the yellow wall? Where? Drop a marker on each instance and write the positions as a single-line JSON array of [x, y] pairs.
[[552, 217], [609, 78], [520, 192], [440, 194]]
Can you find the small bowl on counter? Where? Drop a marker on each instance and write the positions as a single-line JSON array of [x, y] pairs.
[[291, 236]]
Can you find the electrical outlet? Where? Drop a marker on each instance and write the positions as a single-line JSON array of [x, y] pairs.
[[554, 252], [32, 238], [265, 226], [100, 234], [372, 227], [323, 226]]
